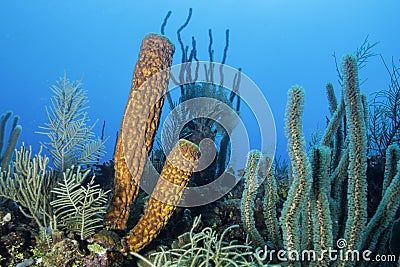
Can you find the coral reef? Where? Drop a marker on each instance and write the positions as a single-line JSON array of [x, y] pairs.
[[74, 208], [376, 232], [47, 200], [322, 197], [313, 216]]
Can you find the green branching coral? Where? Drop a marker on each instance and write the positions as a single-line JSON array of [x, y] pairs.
[[204, 248], [71, 140], [79, 208], [28, 183]]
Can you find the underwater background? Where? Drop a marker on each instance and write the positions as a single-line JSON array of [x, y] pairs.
[[276, 44]]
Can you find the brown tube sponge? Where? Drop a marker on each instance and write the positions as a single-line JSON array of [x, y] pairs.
[[177, 170], [140, 123]]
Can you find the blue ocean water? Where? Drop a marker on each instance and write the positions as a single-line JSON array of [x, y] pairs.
[[276, 43]]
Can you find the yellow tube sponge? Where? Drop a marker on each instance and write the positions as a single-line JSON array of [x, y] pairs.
[[141, 119], [176, 171]]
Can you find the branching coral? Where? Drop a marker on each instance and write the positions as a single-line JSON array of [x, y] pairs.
[[79, 208], [204, 248], [70, 137], [384, 122], [29, 184]]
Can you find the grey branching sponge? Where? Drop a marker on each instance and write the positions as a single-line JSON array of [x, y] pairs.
[[28, 182], [249, 197], [301, 170], [357, 168], [69, 204], [319, 198], [270, 201], [71, 138]]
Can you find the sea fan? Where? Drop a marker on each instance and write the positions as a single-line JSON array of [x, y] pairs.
[[71, 138]]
